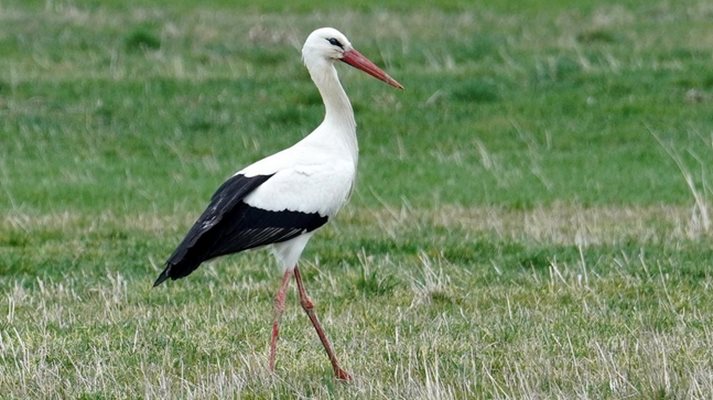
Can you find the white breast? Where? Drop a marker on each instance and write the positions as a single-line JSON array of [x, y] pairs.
[[305, 179]]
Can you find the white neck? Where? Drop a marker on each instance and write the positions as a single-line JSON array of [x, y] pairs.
[[339, 120]]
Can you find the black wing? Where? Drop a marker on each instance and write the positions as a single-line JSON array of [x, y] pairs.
[[229, 225]]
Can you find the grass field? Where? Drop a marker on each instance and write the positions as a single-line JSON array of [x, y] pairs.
[[532, 217]]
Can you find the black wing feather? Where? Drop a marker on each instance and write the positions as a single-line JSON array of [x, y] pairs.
[[229, 225]]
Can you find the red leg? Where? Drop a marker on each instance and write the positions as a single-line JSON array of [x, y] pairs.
[[308, 306], [279, 308]]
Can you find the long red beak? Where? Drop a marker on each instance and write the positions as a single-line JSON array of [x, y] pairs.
[[358, 61]]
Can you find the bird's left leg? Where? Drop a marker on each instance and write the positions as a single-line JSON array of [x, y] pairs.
[[308, 306], [279, 308]]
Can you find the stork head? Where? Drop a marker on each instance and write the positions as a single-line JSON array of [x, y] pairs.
[[329, 45]]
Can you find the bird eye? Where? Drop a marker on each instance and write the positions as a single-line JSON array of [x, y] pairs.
[[335, 42]]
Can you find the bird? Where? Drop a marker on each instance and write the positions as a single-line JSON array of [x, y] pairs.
[[280, 201]]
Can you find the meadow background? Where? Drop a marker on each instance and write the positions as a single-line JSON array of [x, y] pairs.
[[532, 216]]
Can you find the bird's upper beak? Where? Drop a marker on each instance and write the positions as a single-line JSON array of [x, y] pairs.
[[358, 61]]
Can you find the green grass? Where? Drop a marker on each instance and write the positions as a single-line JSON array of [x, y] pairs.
[[532, 217]]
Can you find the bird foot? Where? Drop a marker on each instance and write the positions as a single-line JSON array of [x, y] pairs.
[[342, 375]]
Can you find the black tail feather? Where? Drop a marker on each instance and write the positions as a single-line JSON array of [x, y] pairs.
[[217, 231], [164, 275]]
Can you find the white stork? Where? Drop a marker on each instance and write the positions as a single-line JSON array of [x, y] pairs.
[[283, 199]]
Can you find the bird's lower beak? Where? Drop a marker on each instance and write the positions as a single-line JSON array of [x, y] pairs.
[[358, 61]]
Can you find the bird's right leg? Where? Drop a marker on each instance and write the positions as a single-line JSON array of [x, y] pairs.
[[279, 308], [308, 306]]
